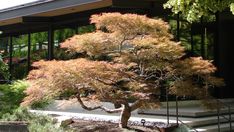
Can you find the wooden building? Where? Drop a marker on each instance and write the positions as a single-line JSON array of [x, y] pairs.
[[50, 15]]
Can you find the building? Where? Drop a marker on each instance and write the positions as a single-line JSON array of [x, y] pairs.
[[50, 15]]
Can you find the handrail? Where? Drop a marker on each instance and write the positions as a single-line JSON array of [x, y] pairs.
[[224, 104], [224, 117], [177, 117], [187, 125]]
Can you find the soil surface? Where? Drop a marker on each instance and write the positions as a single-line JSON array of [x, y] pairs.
[[102, 126]]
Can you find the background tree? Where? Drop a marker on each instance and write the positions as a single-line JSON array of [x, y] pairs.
[[129, 58], [195, 9]]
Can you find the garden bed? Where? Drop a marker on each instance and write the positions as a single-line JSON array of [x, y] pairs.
[[90, 126]]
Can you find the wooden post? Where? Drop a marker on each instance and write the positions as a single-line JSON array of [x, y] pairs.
[[29, 51], [202, 39], [10, 55], [168, 114], [50, 43], [192, 42], [77, 29], [7, 43], [216, 41], [178, 27]]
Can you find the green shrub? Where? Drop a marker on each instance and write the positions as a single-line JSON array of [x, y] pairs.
[[41, 104], [37, 123], [11, 96], [4, 73], [19, 71]]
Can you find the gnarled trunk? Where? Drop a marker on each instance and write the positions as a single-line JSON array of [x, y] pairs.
[[126, 112], [125, 115]]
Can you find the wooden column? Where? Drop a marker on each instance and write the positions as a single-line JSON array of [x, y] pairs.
[[192, 42], [216, 41], [7, 43], [29, 52], [10, 57], [77, 29], [50, 43], [202, 39], [178, 27]]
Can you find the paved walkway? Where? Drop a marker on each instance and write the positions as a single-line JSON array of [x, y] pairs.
[[71, 109], [100, 117]]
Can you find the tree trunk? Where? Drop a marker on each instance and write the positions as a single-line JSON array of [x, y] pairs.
[[125, 115], [117, 105]]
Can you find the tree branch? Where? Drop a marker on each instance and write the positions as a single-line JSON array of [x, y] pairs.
[[97, 107], [83, 105], [136, 105], [112, 110]]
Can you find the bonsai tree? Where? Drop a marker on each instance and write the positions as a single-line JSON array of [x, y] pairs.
[[126, 61]]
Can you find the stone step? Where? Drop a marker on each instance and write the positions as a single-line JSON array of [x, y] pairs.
[[190, 108], [206, 121], [190, 112], [224, 127], [185, 112], [192, 103]]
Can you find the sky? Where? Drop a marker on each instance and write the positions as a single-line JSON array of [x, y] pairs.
[[9, 3]]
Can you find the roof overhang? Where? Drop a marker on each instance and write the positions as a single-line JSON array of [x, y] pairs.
[[49, 8], [38, 16]]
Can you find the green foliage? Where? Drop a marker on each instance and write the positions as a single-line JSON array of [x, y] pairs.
[[63, 34], [40, 104], [37, 123], [38, 50], [19, 71], [4, 74], [38, 55], [86, 29], [11, 96], [193, 10], [232, 8], [39, 37]]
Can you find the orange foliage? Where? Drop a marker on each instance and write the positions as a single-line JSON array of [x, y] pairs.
[[128, 56]]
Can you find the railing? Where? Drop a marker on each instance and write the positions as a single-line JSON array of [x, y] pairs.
[[195, 130], [177, 113], [229, 119], [177, 117], [219, 115]]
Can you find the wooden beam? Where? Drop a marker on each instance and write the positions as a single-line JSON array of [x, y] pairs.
[[36, 19], [33, 24], [130, 4]]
